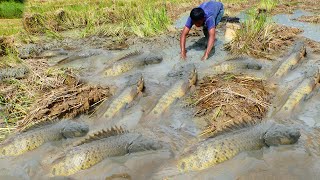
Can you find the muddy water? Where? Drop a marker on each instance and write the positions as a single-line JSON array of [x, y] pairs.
[[177, 127], [311, 31]]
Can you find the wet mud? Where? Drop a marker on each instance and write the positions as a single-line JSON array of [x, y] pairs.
[[310, 31]]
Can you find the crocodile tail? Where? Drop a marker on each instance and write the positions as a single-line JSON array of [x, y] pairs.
[[104, 133], [230, 127], [23, 127], [193, 76]]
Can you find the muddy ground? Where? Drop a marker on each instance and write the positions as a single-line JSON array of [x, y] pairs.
[[177, 127]]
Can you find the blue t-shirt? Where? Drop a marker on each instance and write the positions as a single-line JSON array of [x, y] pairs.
[[211, 10]]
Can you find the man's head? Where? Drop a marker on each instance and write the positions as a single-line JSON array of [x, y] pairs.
[[197, 16]]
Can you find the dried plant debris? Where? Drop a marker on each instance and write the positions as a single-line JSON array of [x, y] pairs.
[[5, 43], [309, 19], [288, 7], [34, 23], [65, 102], [17, 95], [227, 101], [313, 45]]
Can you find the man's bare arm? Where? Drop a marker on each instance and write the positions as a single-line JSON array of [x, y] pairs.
[[212, 37], [183, 38]]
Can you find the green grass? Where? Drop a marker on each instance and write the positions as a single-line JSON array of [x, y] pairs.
[[154, 21], [11, 9], [268, 4], [11, 58], [110, 18], [254, 36], [117, 18], [10, 26], [234, 1]]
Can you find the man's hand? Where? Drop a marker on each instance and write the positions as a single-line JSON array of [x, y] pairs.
[[183, 55], [212, 36], [183, 38], [204, 57]]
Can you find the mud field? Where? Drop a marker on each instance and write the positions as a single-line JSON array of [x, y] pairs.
[[164, 108]]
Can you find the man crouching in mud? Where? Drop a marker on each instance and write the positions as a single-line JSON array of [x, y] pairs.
[[208, 15]]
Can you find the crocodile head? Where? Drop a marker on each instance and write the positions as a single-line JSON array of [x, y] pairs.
[[281, 135], [74, 129], [192, 77], [140, 84], [144, 144], [153, 59], [317, 76], [302, 52]]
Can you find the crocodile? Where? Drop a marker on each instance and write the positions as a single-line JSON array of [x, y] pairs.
[[79, 55], [89, 53], [17, 72], [123, 56], [304, 89], [125, 98], [53, 53], [238, 65], [178, 90], [291, 61], [103, 144], [126, 65], [27, 141], [231, 66], [221, 148]]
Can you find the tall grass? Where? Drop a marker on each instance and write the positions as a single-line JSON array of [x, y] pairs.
[[10, 26], [154, 21], [11, 9], [254, 36], [111, 18], [268, 4]]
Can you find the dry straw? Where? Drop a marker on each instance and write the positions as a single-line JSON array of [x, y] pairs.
[[228, 101], [65, 102]]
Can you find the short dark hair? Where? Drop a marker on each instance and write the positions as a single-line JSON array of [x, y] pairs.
[[197, 14]]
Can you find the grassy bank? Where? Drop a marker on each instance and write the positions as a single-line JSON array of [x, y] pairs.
[[10, 26], [108, 18], [11, 9], [105, 18]]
